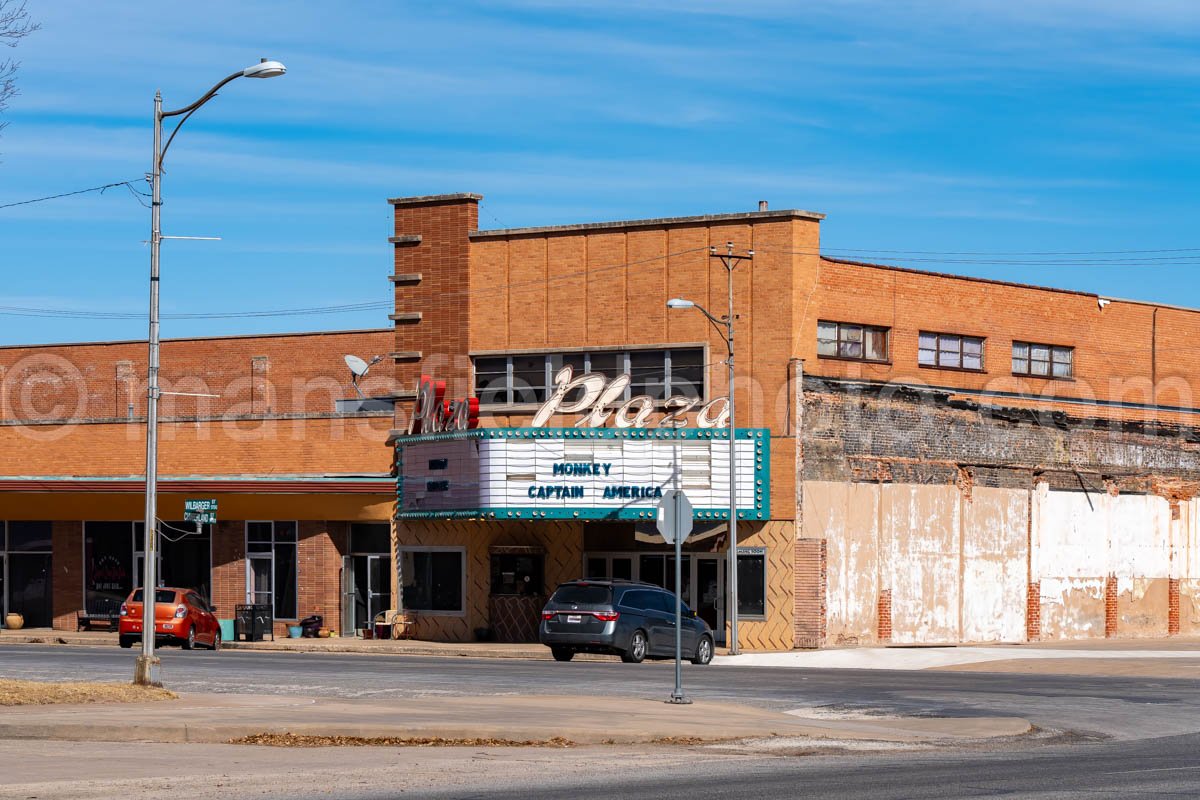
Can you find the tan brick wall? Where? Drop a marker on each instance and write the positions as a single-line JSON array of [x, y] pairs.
[[250, 447], [1113, 356], [810, 613], [281, 374]]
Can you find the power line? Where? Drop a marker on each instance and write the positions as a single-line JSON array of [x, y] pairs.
[[128, 184]]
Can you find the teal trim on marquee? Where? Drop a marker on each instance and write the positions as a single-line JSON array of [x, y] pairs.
[[762, 472]]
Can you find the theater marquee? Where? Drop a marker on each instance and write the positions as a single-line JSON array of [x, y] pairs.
[[579, 473]]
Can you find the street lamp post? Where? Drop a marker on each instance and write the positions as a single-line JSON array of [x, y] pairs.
[[729, 260], [146, 668]]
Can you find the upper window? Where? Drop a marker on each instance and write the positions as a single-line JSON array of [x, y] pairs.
[[529, 378], [857, 342], [950, 351], [1043, 360]]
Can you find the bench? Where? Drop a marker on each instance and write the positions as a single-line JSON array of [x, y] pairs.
[[85, 621]]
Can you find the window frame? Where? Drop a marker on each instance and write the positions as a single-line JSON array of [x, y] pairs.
[[462, 556], [1052, 348], [938, 336], [755, 552], [261, 555], [838, 340], [624, 355]]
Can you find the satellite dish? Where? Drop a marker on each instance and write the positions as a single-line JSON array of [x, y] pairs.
[[357, 366]]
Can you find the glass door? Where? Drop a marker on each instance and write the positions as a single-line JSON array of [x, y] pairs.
[[348, 596], [371, 579], [258, 579], [139, 561], [708, 600], [3, 593]]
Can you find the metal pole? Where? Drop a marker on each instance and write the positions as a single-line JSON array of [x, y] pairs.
[[146, 670], [733, 575], [677, 695]]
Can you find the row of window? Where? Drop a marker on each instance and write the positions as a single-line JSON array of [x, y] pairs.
[[942, 350], [529, 377]]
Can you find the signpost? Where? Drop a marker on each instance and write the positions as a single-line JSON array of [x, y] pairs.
[[675, 525], [203, 512]]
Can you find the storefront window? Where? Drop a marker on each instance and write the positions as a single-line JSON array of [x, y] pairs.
[[516, 574], [527, 378], [432, 580], [271, 566], [752, 582], [25, 561], [108, 566]]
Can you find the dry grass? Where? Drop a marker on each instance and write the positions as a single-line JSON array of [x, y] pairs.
[[300, 740], [37, 693]]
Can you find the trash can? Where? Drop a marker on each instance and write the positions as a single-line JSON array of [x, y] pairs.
[[227, 634], [252, 622]]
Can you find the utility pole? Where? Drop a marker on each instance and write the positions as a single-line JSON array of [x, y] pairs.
[[730, 260]]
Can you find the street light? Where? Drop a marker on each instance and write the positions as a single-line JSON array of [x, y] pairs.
[[729, 260], [145, 671]]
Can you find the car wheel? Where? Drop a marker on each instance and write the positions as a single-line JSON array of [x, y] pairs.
[[562, 653], [704, 651], [190, 642], [636, 653], [216, 645], [126, 641]]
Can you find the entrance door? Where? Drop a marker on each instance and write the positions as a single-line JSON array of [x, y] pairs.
[[371, 581], [709, 593], [3, 593], [258, 580], [139, 560]]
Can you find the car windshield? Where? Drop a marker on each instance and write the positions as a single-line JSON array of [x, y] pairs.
[[160, 596], [583, 594]]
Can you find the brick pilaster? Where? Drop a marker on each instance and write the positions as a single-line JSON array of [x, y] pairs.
[[1033, 611], [1110, 606], [1173, 606], [884, 606]]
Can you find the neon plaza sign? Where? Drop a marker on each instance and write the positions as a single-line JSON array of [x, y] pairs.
[[593, 396]]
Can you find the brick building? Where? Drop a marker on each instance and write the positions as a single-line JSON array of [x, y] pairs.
[[300, 487], [951, 459], [921, 457]]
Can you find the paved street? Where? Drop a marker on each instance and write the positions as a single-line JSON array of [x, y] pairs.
[[1120, 736], [1123, 708]]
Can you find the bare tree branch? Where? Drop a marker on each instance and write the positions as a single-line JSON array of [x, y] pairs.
[[15, 25]]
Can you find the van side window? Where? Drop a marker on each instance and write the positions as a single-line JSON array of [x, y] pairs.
[[634, 599]]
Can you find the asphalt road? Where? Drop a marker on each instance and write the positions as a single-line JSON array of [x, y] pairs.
[[1122, 708], [1116, 737]]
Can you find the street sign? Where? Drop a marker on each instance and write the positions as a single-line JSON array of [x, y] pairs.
[[202, 511], [674, 516], [675, 524]]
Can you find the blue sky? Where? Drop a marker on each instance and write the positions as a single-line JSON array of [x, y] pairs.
[[1060, 125]]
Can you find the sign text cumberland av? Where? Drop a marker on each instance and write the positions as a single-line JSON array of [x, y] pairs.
[[449, 468]]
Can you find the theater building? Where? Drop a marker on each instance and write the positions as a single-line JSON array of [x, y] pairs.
[[943, 459], [919, 458]]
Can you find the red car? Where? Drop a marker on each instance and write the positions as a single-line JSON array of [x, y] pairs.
[[180, 615]]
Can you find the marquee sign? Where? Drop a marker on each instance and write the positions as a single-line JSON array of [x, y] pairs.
[[569, 473]]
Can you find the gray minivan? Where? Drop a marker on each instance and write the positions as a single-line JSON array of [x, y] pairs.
[[633, 620]]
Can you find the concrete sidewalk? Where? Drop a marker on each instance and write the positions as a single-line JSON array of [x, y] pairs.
[[1183, 657], [578, 719], [331, 645]]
